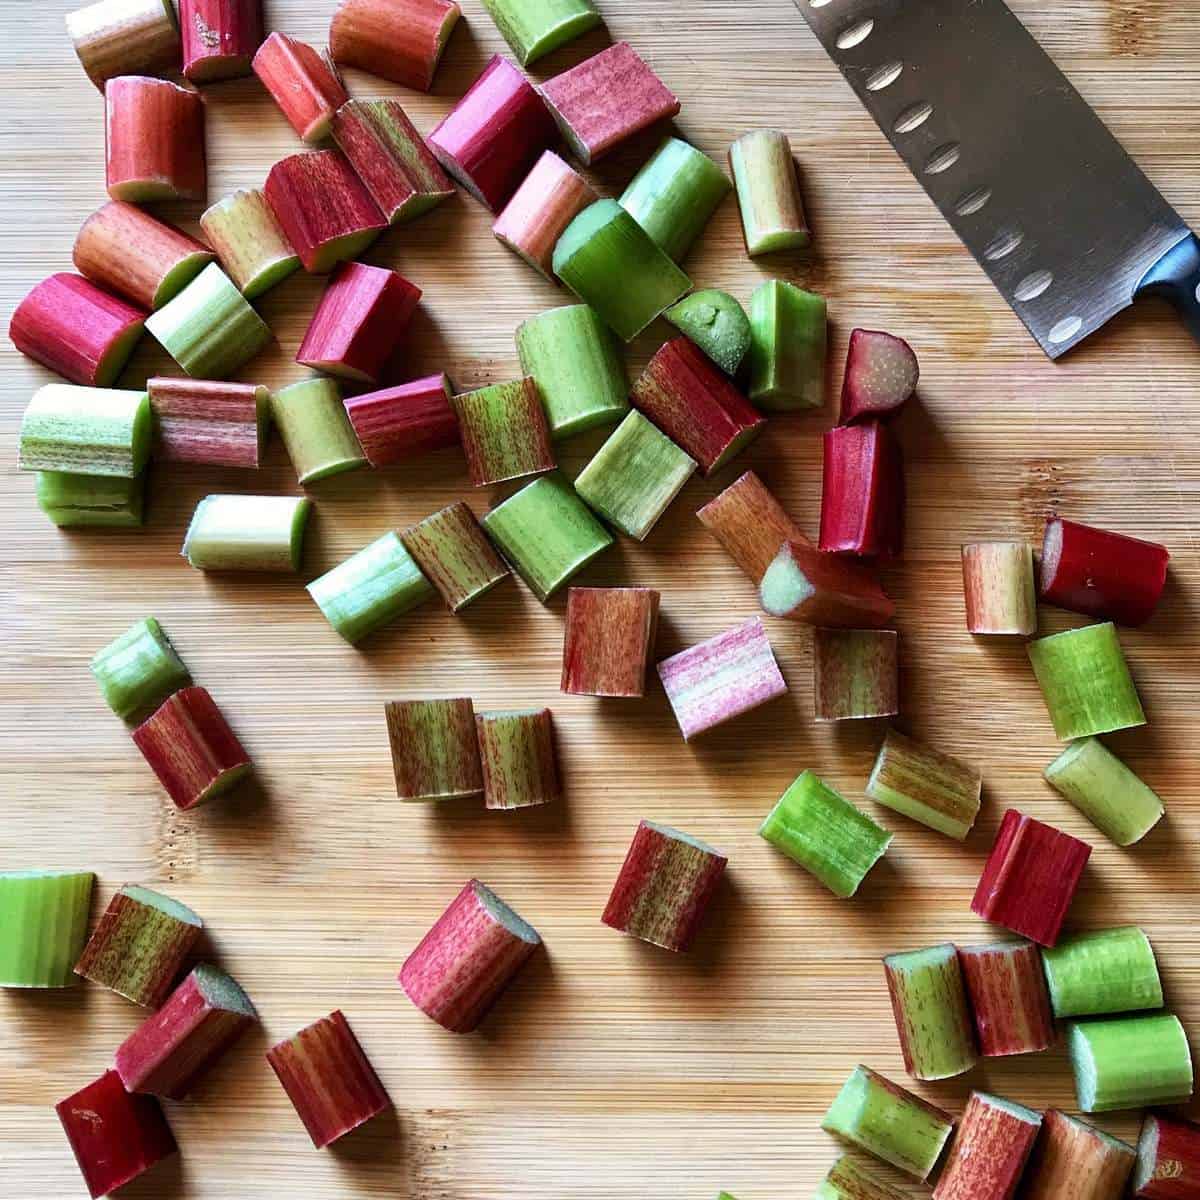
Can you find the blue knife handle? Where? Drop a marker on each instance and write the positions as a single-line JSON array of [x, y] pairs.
[[1176, 278]]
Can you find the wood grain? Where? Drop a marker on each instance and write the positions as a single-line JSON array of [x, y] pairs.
[[612, 1069]]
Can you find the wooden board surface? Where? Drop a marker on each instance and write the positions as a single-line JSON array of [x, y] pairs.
[[611, 1069]]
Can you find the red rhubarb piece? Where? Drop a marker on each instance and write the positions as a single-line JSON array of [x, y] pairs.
[[881, 374], [219, 37], [609, 640], [806, 584], [991, 1146], [153, 140], [400, 40], [490, 140], [207, 421], [399, 423], [115, 1135], [607, 99], [302, 81], [361, 320], [750, 524], [862, 492], [1007, 989], [1030, 878], [1168, 1160], [467, 959], [1102, 574]]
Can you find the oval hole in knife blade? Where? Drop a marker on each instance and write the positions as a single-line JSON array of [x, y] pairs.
[[1035, 284], [1002, 245], [1064, 330], [913, 117], [884, 76], [943, 158], [855, 35], [971, 202]]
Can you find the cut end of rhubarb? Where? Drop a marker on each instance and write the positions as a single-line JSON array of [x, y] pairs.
[[502, 914], [881, 374]]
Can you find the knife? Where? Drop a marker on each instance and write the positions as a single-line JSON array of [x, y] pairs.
[[1053, 209]]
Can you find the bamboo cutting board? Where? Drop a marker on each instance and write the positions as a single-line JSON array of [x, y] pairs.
[[611, 1069]]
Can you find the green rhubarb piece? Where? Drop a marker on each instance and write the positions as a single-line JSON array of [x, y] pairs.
[[1085, 682], [86, 431], [1105, 790], [787, 347], [929, 1002], [547, 533], [317, 432], [825, 834], [926, 785], [717, 323], [848, 1181], [889, 1122], [768, 192], [139, 670], [573, 358], [1106, 971], [209, 328], [92, 501], [371, 588], [533, 28], [673, 196], [610, 262], [43, 925], [247, 533], [1129, 1062], [634, 476]]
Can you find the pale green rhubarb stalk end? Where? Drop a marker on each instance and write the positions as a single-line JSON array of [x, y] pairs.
[[1130, 1062], [848, 1181], [855, 674], [1105, 790], [315, 429], [768, 192], [43, 916], [520, 767], [926, 785], [1105, 971], [139, 670], [787, 347], [247, 533], [717, 323], [929, 1002], [533, 28], [815, 827], [91, 501], [249, 241], [86, 431]]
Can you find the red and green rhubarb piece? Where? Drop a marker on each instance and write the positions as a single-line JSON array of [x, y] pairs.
[[435, 755], [452, 550], [856, 674], [516, 749], [504, 432], [991, 1146], [926, 785], [933, 1018]]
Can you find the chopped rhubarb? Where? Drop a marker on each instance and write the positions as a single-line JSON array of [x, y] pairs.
[[1168, 1160], [803, 583], [203, 421], [717, 323], [1130, 1062], [750, 524], [991, 1146], [768, 192], [452, 550], [862, 492], [933, 1019], [1007, 990], [315, 429], [138, 671], [248, 240], [1103, 971], [998, 588], [533, 28], [926, 785], [856, 674], [504, 432], [1075, 1161], [247, 533], [881, 374], [153, 140], [399, 423], [520, 766], [44, 915], [1105, 790], [220, 37], [87, 431], [849, 1181], [304, 83], [435, 754], [91, 501], [124, 37], [786, 359], [400, 40], [609, 640]]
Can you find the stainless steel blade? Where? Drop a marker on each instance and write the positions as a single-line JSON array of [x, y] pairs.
[[1042, 194]]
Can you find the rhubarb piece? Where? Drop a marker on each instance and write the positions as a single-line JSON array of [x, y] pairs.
[[138, 671], [1105, 971], [452, 550], [1030, 878], [674, 194], [803, 583], [127, 251], [467, 959], [577, 367], [360, 322], [170, 1052], [929, 1003], [192, 750], [787, 347], [862, 492], [370, 588], [317, 432], [848, 1181], [855, 674], [142, 941], [991, 1145], [209, 329], [998, 588], [607, 99], [220, 37], [768, 192], [1085, 682], [153, 140], [1007, 991], [889, 1122], [247, 533], [721, 678], [533, 28], [695, 405], [91, 501], [634, 476], [881, 374], [547, 533], [520, 768], [328, 1079], [1105, 790], [252, 247], [72, 327], [750, 524], [494, 135], [504, 432], [540, 210], [926, 785], [399, 423], [391, 158], [85, 431], [666, 883], [323, 208], [609, 640], [435, 755], [1075, 1161], [203, 421], [44, 915], [608, 260], [717, 323], [304, 83], [1129, 1062], [124, 37], [815, 827], [1168, 1160], [400, 40], [115, 1135]]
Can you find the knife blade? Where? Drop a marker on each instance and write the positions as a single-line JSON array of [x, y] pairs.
[[1063, 221]]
